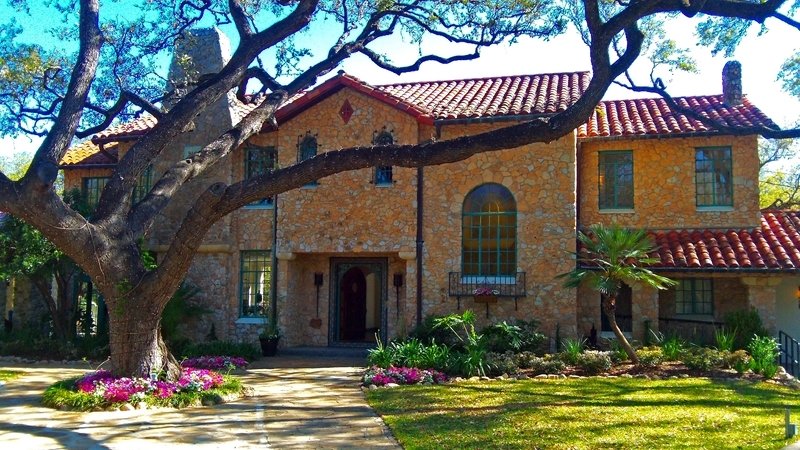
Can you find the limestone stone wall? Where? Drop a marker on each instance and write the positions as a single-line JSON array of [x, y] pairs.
[[664, 184], [542, 179], [73, 178], [762, 295], [214, 273]]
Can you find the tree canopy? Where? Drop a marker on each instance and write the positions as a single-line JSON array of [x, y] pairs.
[[102, 66]]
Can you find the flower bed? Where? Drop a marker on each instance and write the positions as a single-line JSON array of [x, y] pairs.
[[101, 390], [402, 375], [215, 362]]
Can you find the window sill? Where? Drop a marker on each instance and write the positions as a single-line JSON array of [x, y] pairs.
[[694, 317], [252, 320], [384, 185], [617, 211], [257, 207], [714, 208]]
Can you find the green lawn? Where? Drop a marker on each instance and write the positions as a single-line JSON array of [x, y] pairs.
[[589, 413], [6, 375]]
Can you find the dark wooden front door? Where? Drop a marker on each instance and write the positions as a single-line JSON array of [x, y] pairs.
[[352, 305]]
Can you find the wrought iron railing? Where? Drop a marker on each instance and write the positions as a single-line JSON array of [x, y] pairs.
[[505, 286], [695, 331], [790, 352]]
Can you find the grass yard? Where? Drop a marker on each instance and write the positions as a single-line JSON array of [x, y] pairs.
[[589, 413], [6, 375]]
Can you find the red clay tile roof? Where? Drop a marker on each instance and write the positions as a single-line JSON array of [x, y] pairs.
[[652, 116], [497, 96], [88, 153], [773, 246], [127, 131]]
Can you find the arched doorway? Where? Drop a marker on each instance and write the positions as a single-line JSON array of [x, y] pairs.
[[359, 291]]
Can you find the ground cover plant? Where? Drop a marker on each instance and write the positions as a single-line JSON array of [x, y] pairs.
[[102, 390], [7, 375], [587, 413]]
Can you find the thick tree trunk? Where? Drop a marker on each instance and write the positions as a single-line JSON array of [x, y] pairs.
[[137, 348], [610, 308]]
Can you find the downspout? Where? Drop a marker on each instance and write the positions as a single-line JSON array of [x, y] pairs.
[[273, 288], [420, 242]]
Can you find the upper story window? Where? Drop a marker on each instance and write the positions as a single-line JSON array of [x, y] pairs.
[[713, 176], [307, 147], [91, 189], [255, 278], [489, 232], [143, 185], [383, 174], [694, 296], [615, 179], [258, 161]]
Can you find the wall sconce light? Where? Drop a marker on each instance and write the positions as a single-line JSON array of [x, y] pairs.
[[797, 296], [397, 281], [317, 279]]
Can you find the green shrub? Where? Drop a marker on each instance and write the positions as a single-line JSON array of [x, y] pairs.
[[427, 332], [725, 339], [650, 357], [472, 359], [764, 350], [616, 351], [594, 362], [525, 360], [549, 364], [501, 363], [520, 336], [747, 324], [703, 358], [244, 350], [381, 356], [572, 350], [672, 348], [740, 361]]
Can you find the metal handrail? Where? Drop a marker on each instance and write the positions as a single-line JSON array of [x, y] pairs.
[[789, 353]]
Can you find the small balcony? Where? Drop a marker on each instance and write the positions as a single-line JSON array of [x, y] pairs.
[[507, 286]]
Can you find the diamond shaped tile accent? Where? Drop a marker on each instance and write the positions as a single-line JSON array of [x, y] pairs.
[[346, 111]]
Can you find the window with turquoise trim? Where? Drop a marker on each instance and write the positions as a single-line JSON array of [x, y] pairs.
[[615, 179], [92, 188], [143, 185], [383, 174], [713, 176], [258, 161], [307, 148], [255, 278], [694, 296], [489, 232]]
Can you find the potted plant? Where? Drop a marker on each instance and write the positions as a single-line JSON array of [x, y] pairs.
[[269, 339], [485, 294]]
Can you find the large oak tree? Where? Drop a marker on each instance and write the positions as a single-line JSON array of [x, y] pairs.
[[111, 75]]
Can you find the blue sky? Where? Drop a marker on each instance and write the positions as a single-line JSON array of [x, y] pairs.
[[761, 58]]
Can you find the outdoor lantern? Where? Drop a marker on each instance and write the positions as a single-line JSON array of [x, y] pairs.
[[797, 295]]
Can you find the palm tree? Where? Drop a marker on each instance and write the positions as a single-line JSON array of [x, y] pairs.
[[609, 257]]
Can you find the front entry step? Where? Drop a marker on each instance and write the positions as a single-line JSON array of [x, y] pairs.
[[325, 352]]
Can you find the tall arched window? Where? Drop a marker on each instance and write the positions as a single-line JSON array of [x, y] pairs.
[[489, 232], [307, 148]]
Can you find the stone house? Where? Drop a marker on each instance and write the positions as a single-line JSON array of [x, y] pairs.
[[377, 250]]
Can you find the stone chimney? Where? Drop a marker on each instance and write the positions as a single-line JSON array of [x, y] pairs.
[[732, 83]]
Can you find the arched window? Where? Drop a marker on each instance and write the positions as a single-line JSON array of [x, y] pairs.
[[489, 232], [307, 148], [383, 174]]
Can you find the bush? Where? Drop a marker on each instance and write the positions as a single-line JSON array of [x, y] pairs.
[[401, 375], [525, 360], [427, 332], [520, 336], [572, 350], [703, 358], [549, 364], [740, 361], [747, 324], [764, 351], [650, 357], [594, 362], [725, 339], [616, 351], [502, 363], [224, 348]]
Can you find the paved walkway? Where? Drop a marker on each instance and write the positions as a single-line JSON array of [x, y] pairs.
[[299, 402]]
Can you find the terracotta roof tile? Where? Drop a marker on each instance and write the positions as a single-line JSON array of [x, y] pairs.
[[652, 116], [775, 245], [88, 153], [495, 96]]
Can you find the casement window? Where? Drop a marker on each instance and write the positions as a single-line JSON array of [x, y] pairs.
[[713, 176], [143, 185], [383, 174], [258, 161], [91, 189], [255, 278], [489, 232], [307, 148], [615, 179], [694, 296]]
